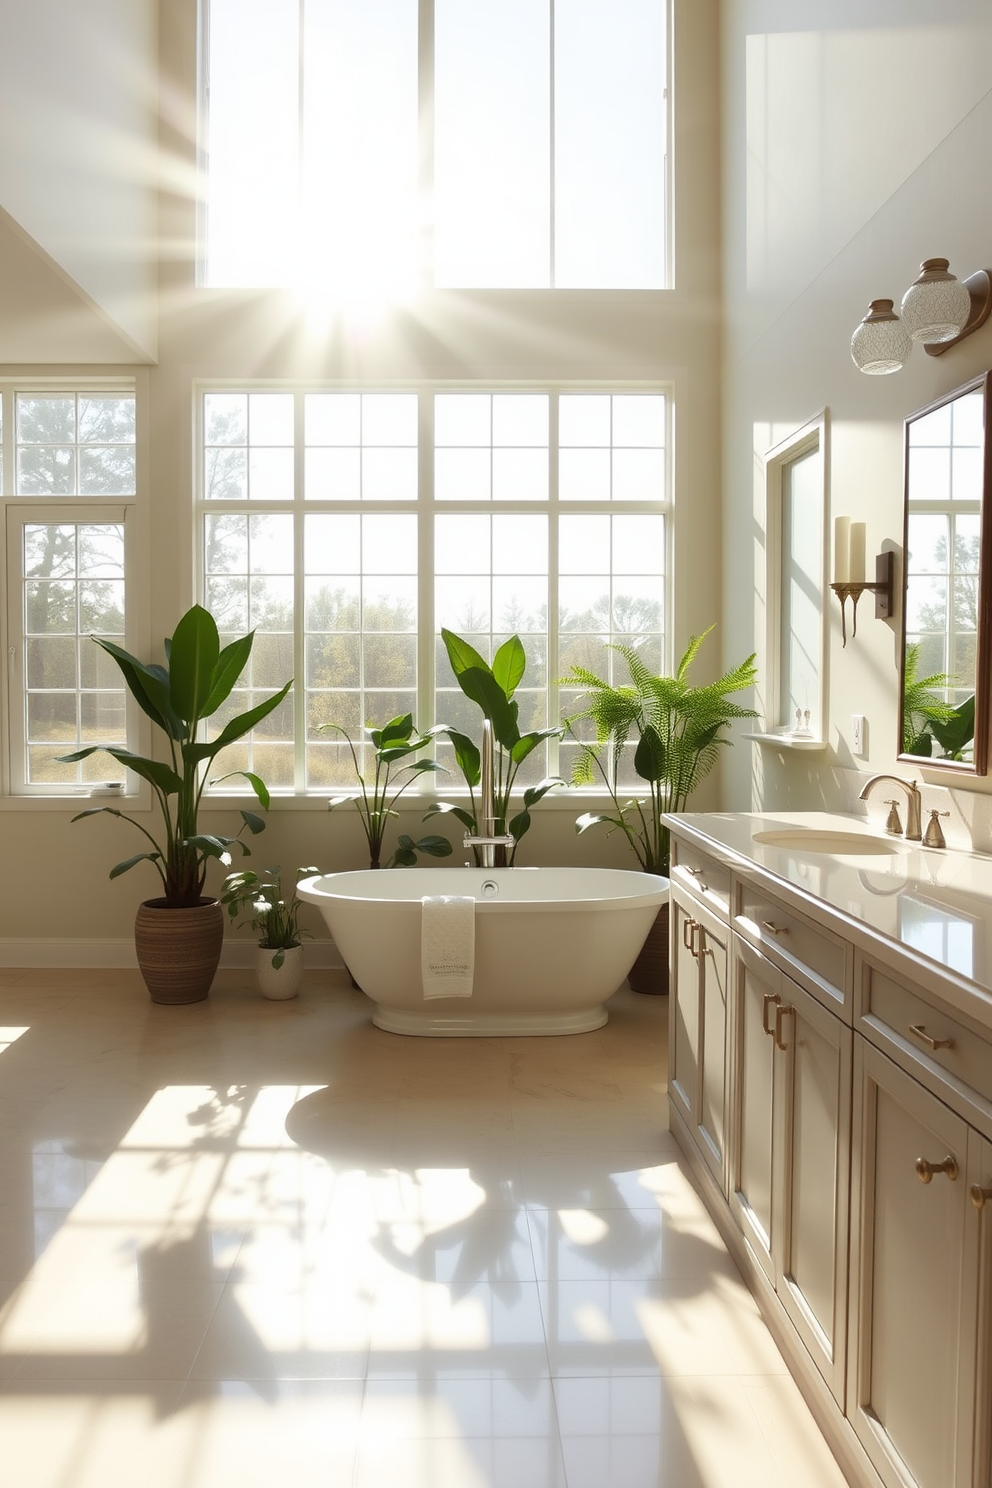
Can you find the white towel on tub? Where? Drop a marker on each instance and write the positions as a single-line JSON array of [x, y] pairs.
[[447, 945]]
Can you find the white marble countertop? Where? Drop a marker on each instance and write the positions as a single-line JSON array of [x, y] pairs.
[[934, 904]]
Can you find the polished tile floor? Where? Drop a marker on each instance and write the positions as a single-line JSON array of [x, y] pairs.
[[264, 1245]]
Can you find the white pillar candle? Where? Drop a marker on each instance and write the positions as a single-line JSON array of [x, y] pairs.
[[842, 549], [857, 553]]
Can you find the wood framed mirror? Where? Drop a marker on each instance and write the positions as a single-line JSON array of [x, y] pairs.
[[947, 582]]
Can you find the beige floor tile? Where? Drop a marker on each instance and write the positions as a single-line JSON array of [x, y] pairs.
[[245, 1243], [633, 1433]]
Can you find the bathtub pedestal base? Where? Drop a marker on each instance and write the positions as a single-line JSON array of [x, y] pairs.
[[433, 1023]]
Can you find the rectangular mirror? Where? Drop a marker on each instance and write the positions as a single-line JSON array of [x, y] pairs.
[[947, 583]]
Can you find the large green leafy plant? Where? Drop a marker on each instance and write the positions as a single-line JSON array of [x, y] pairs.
[[491, 688], [678, 730], [394, 742], [927, 719], [179, 697]]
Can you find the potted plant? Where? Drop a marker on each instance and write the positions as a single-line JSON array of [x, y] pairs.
[[677, 731], [492, 689], [279, 965], [376, 799], [178, 935]]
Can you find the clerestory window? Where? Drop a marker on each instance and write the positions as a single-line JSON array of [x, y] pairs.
[[513, 144]]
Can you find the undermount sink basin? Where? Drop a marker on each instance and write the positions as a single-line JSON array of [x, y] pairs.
[[822, 840]]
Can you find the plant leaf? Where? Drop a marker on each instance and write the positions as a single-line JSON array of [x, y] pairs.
[[434, 846], [245, 722], [120, 868], [230, 664], [162, 775], [445, 808], [509, 664], [192, 662], [461, 655], [149, 686], [253, 822]]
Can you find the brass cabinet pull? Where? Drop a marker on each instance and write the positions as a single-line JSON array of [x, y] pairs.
[[920, 1031], [925, 1170], [980, 1196], [697, 874], [774, 929], [766, 1001], [782, 1011], [689, 928]]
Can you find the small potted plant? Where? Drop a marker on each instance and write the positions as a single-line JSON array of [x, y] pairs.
[[491, 688], [376, 799], [279, 965]]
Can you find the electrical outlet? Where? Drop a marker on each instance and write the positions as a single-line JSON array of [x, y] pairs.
[[858, 734]]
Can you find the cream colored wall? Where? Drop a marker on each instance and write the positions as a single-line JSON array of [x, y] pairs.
[[855, 145], [674, 337], [79, 170]]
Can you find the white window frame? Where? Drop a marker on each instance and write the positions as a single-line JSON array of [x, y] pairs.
[[18, 511], [427, 507]]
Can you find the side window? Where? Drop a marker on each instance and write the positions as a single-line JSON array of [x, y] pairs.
[[68, 528], [796, 583]]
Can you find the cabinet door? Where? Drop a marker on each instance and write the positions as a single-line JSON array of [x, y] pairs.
[[757, 990], [980, 1197], [683, 1035], [812, 1167], [914, 1306], [697, 1078]]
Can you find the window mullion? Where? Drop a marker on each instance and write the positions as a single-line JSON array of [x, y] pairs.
[[299, 601], [425, 560], [554, 650]]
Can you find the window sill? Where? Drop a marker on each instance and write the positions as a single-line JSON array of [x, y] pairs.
[[788, 741]]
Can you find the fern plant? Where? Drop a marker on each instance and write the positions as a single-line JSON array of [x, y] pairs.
[[926, 718], [678, 730]]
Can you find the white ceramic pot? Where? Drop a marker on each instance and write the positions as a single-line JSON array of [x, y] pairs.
[[279, 982]]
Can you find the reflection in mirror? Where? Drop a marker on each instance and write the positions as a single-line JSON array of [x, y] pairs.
[[945, 656]]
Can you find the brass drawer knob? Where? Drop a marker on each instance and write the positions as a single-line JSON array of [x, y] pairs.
[[919, 1030], [980, 1196], [926, 1170]]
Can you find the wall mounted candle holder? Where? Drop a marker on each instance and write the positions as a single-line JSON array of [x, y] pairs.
[[854, 588]]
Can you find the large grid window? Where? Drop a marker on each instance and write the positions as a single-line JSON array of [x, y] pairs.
[[382, 116], [396, 514], [69, 470]]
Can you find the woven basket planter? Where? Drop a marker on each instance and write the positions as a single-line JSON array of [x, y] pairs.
[[649, 972], [178, 949]]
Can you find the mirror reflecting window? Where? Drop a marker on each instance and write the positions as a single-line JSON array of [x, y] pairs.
[[945, 655]]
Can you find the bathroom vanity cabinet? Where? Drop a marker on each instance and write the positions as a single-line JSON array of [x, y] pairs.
[[832, 1088]]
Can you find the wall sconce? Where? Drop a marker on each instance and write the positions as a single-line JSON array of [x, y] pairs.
[[937, 310], [849, 574]]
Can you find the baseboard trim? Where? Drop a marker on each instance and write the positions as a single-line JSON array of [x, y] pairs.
[[17, 953]]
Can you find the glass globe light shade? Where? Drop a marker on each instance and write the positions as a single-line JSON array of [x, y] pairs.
[[936, 307], [880, 344]]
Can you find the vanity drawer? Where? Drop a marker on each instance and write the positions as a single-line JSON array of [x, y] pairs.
[[815, 956], [917, 1032], [702, 876]]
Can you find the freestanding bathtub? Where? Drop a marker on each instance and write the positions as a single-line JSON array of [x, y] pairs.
[[551, 944]]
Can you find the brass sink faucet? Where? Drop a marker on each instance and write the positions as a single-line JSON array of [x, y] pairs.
[[913, 803]]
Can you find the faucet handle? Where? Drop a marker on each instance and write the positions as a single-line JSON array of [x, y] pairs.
[[934, 836], [893, 824]]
